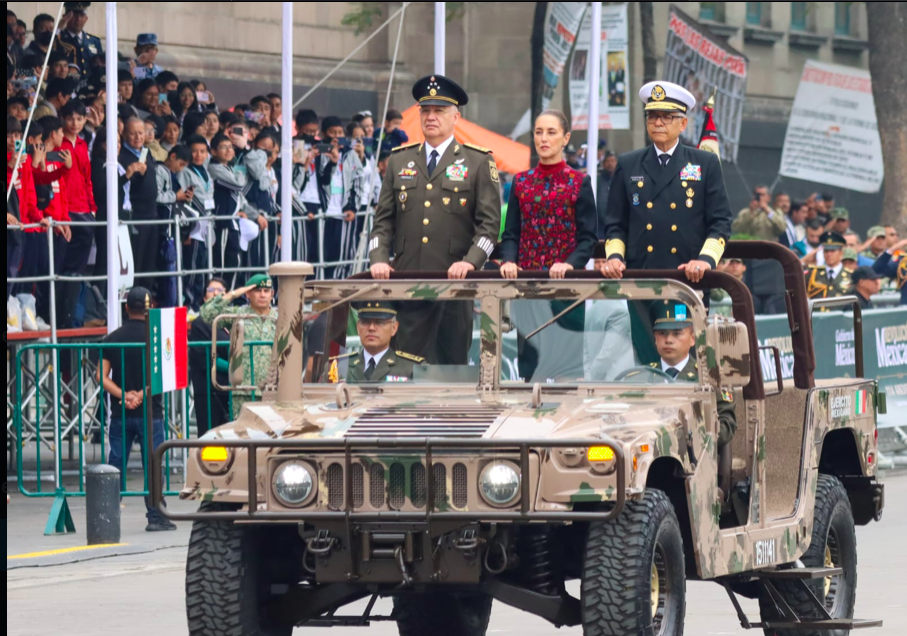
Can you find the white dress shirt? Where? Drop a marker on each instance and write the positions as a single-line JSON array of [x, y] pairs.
[[442, 148], [377, 358], [835, 271], [670, 152], [679, 366]]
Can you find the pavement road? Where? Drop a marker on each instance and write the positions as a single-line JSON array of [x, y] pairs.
[[142, 594]]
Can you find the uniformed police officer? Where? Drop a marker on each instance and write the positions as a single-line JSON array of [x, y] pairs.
[[376, 362], [830, 280], [675, 339], [668, 207], [439, 210], [81, 48]]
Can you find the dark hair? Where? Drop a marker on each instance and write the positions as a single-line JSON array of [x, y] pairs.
[[40, 19], [140, 89], [815, 224], [196, 83], [393, 114], [250, 125], [306, 117], [219, 138], [796, 205], [17, 99], [227, 119], [260, 99], [170, 119], [219, 281], [13, 126], [181, 152], [98, 152], [158, 122], [330, 122], [58, 86], [559, 116], [353, 125], [759, 187], [166, 77], [274, 96], [10, 14], [74, 107], [176, 106], [56, 56], [21, 23], [240, 109], [192, 123], [49, 125], [781, 194], [268, 133], [195, 140], [35, 130], [825, 196]]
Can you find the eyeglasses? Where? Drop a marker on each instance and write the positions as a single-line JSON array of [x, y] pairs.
[[216, 290], [668, 119]]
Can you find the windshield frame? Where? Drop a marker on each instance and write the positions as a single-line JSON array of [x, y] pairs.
[[493, 293]]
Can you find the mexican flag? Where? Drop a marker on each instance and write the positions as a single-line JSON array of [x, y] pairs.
[[169, 350], [861, 402]]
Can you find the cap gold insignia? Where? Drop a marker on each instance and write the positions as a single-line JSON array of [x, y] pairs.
[[690, 193], [689, 203], [658, 93], [432, 92]]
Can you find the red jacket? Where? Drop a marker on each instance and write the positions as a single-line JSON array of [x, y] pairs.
[[25, 189], [55, 176], [79, 192]]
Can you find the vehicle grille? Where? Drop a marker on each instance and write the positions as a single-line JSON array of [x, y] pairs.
[[390, 490], [424, 421]]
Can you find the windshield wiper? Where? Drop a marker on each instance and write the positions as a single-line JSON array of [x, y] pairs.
[[579, 301]]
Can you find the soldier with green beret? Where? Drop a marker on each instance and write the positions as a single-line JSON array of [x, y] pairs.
[[376, 362], [260, 293], [439, 210]]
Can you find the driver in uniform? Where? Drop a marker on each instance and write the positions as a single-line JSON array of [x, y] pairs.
[[675, 339], [377, 324]]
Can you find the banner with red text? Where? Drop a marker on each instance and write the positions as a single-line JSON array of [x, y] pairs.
[[700, 62], [833, 134]]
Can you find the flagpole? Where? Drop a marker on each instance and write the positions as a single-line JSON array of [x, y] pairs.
[[111, 168], [595, 53], [440, 38], [286, 133]]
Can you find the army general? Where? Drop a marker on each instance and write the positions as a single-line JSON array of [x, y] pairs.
[[668, 207], [439, 210]]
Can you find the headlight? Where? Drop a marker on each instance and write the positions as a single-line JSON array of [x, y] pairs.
[[215, 460], [500, 485], [602, 459], [294, 484]]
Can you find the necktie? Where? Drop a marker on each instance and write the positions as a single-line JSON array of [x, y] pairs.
[[433, 163], [831, 275], [370, 369], [673, 372], [664, 159]]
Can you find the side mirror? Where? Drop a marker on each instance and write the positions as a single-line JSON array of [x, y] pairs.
[[732, 365], [237, 352]]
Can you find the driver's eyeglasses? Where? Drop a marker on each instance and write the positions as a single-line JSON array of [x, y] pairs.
[[216, 290], [368, 322], [668, 119]]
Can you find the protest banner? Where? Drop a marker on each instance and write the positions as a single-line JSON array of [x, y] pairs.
[[561, 26], [833, 134], [701, 63], [614, 91]]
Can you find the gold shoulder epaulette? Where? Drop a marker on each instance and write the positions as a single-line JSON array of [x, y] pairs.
[[653, 365], [345, 355], [479, 148], [411, 357], [404, 147]]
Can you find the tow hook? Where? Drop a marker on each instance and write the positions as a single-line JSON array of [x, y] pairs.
[[322, 544], [468, 541]]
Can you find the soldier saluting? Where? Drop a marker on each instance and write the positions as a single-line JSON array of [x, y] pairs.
[[668, 207], [439, 209]]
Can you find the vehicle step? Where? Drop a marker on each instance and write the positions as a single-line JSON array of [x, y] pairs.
[[798, 574], [811, 626]]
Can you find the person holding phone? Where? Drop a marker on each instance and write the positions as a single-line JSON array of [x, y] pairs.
[[196, 179], [141, 171], [146, 51], [183, 100], [149, 101], [338, 172], [367, 179]]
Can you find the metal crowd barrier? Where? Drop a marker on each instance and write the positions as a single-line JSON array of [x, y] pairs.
[[56, 399]]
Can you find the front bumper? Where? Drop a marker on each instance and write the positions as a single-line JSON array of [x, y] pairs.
[[353, 449]]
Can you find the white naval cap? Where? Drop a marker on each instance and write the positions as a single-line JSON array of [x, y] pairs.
[[667, 96]]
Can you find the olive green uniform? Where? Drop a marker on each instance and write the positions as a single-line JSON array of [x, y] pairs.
[[428, 223], [395, 366], [727, 417], [256, 330], [819, 286]]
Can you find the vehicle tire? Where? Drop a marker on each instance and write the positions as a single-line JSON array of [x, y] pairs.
[[223, 591], [634, 577], [442, 614], [834, 543]]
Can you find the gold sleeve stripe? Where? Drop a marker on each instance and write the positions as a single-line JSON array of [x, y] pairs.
[[615, 247], [713, 248]]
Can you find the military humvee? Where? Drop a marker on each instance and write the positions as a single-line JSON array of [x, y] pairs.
[[501, 481]]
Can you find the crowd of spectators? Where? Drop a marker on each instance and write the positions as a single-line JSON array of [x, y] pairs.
[[182, 159]]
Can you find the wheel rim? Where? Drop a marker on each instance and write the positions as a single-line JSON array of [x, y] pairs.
[[832, 583], [660, 589]]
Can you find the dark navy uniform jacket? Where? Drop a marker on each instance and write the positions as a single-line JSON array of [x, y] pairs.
[[661, 218]]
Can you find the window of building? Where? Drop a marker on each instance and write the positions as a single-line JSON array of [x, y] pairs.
[[798, 11], [713, 11], [754, 13], [842, 18]]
